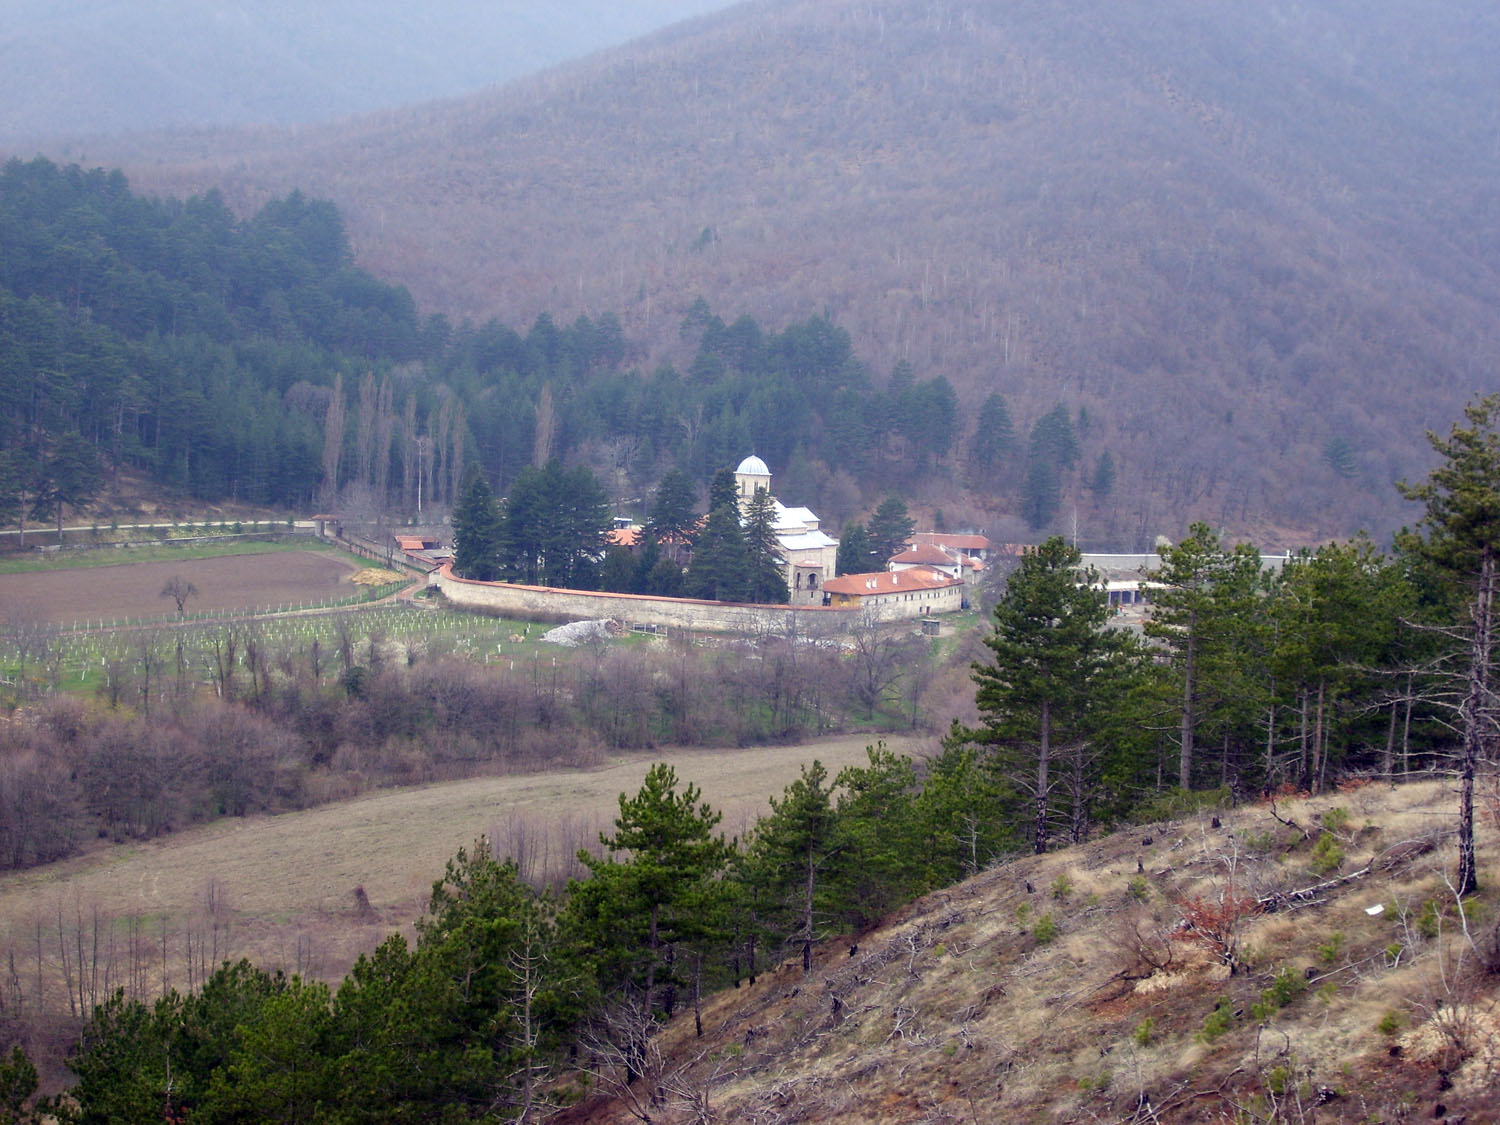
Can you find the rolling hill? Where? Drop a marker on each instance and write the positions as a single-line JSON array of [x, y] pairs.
[[1254, 248], [1066, 987]]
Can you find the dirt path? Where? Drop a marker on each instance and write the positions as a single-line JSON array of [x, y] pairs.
[[300, 869]]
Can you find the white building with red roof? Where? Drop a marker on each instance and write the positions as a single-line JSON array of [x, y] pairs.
[[809, 555], [933, 558], [975, 546], [914, 592]]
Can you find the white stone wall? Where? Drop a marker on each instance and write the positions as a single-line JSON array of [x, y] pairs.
[[547, 604]]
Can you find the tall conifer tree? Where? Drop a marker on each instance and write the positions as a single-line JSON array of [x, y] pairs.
[[1460, 534]]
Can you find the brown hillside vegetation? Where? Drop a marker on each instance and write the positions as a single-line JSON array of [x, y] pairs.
[[1066, 987], [1256, 243]]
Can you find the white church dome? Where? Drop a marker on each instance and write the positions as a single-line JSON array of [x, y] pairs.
[[753, 466]]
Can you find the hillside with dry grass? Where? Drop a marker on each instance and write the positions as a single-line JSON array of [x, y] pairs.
[[1074, 987], [1255, 244]]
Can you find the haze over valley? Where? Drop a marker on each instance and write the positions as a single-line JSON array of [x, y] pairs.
[[1255, 245]]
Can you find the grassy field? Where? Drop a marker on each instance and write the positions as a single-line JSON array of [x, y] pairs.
[[281, 890], [108, 552]]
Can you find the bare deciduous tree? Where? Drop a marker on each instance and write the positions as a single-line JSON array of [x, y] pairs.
[[179, 589]]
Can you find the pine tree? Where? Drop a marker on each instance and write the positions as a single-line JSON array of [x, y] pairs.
[[1202, 610], [656, 889], [993, 446], [854, 549], [1460, 535], [888, 531], [795, 847], [1102, 483], [1056, 667], [673, 522], [1041, 493], [477, 530], [720, 570], [766, 577]]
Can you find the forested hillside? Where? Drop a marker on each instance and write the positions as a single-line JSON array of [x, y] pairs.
[[1253, 248], [250, 360]]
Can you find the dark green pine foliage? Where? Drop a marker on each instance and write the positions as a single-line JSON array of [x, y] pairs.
[[619, 574], [1056, 669], [1052, 451], [1041, 494], [854, 550], [673, 521], [655, 898], [888, 531], [477, 530], [722, 489], [136, 1062], [992, 449], [766, 574], [1333, 618], [657, 573], [885, 857], [1054, 439], [67, 476], [1204, 601], [1459, 535], [556, 522], [1102, 482], [926, 414], [458, 1028], [720, 570], [792, 855], [18, 1081], [201, 336]]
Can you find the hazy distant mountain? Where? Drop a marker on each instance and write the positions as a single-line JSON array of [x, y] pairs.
[[90, 66], [1257, 243]]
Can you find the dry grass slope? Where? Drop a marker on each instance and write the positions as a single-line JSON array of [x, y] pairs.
[[1059, 988]]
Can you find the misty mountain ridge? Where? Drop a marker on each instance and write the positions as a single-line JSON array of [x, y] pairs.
[[1256, 246], [84, 67]]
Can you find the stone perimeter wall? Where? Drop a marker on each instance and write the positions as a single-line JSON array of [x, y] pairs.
[[546, 604]]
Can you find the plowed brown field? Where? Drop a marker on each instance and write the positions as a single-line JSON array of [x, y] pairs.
[[126, 590]]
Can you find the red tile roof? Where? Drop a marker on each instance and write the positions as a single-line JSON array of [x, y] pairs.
[[925, 554], [889, 582], [956, 542]]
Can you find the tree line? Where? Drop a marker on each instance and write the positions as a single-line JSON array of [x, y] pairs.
[[1252, 679], [506, 987], [190, 725], [1342, 661], [249, 359]]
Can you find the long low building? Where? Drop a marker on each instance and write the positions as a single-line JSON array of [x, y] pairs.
[[913, 592]]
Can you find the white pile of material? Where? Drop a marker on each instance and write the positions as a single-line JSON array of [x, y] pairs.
[[575, 633]]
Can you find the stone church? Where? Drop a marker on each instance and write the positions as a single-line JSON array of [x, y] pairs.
[[808, 553]]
